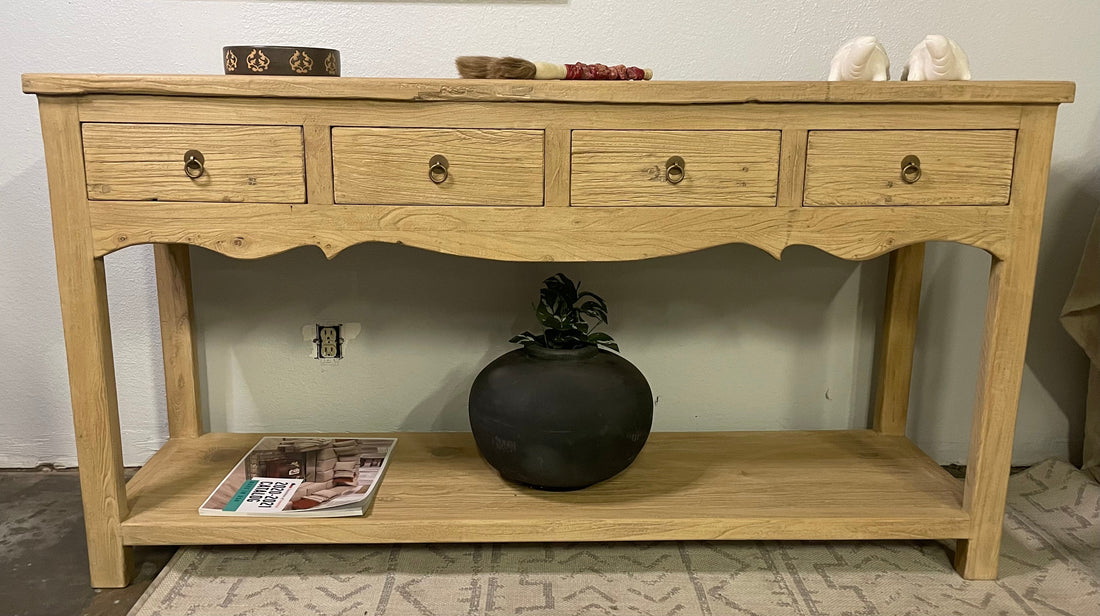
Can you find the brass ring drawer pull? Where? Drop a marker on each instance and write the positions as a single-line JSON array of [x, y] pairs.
[[674, 170], [194, 164], [910, 169], [437, 169]]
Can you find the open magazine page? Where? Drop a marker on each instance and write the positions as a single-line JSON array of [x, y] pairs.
[[290, 476]]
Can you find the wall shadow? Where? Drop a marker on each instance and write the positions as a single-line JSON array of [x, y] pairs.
[[1057, 362], [432, 321]]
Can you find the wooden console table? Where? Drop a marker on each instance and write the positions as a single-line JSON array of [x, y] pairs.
[[552, 171]]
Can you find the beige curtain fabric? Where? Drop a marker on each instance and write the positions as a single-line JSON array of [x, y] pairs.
[[1081, 318]]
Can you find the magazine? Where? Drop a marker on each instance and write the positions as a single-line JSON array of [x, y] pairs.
[[311, 477]]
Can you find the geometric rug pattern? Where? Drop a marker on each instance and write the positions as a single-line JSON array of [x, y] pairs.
[[1050, 565]]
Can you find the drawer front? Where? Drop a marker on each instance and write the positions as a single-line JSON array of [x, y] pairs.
[[390, 166], [145, 162], [630, 168], [956, 167]]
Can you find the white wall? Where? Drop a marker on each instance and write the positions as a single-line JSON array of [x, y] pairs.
[[729, 338]]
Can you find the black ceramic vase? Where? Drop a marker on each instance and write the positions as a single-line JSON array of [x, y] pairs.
[[560, 419]]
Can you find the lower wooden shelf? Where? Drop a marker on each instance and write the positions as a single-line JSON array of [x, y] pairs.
[[714, 485]]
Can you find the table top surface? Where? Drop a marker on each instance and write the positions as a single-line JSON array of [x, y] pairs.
[[489, 90]]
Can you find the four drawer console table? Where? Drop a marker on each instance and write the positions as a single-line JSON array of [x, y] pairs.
[[552, 171]]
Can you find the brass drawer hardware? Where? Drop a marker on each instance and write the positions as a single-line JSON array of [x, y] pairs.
[[437, 169], [674, 170], [194, 164], [910, 169]]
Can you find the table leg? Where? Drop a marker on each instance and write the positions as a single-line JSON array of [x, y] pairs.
[[1007, 318], [83, 290], [177, 336], [899, 334]]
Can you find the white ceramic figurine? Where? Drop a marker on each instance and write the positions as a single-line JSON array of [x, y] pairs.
[[936, 58], [860, 59]]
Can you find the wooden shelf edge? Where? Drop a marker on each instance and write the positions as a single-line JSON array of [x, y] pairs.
[[813, 485], [353, 531]]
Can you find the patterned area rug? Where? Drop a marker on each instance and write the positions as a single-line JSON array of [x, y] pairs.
[[1050, 564]]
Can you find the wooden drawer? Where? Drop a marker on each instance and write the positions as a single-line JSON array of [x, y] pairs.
[[144, 162], [389, 166], [629, 168], [957, 167]]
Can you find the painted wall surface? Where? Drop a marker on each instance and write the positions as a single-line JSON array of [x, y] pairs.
[[729, 338]]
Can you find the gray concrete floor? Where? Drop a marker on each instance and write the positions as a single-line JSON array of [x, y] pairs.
[[43, 560]]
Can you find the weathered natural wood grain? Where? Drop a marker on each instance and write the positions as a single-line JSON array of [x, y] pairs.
[[792, 168], [144, 162], [897, 340], [578, 116], [833, 139], [250, 231], [318, 144], [556, 155], [864, 167], [628, 168], [83, 289], [1004, 345], [673, 92], [177, 338], [716, 485], [390, 166]]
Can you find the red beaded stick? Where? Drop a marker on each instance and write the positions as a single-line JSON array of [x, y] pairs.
[[487, 67], [599, 71]]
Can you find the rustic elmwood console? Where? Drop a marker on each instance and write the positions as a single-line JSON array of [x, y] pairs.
[[555, 171]]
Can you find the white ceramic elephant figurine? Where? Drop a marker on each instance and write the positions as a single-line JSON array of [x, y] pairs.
[[936, 58], [860, 59]]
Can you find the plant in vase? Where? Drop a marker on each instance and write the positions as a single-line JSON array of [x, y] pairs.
[[563, 412]]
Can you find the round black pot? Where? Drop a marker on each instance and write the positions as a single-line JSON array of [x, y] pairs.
[[560, 419]]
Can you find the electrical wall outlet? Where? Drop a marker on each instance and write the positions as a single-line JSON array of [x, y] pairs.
[[328, 341]]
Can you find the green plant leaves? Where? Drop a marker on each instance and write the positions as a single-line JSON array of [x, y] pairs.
[[559, 286], [562, 312], [528, 338], [596, 310], [602, 339]]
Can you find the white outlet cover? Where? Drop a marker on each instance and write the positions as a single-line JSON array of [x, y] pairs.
[[348, 332]]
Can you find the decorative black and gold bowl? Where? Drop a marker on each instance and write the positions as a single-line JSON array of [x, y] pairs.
[[272, 60]]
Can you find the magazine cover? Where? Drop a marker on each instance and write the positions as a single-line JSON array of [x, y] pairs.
[[303, 476]]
